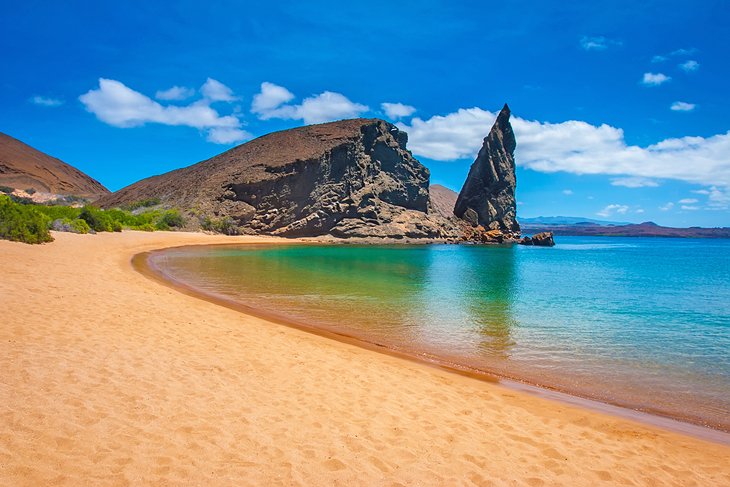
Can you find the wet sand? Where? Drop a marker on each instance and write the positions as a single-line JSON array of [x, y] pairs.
[[110, 378]]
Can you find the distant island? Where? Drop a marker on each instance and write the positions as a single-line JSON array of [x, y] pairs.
[[576, 226]]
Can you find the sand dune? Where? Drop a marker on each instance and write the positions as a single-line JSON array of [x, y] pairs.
[[109, 378]]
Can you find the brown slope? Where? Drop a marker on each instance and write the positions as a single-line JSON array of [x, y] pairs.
[[443, 200], [351, 178], [23, 167]]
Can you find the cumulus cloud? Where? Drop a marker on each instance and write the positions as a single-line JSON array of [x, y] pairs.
[[577, 147], [654, 79], [613, 209], [175, 93], [659, 59], [567, 192], [394, 111], [634, 182], [216, 91], [689, 207], [325, 107], [267, 103], [667, 207], [120, 106], [46, 101], [689, 66], [598, 43], [688, 201], [682, 106]]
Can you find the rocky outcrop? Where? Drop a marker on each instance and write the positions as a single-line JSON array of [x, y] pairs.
[[352, 178], [23, 167], [487, 198], [543, 239]]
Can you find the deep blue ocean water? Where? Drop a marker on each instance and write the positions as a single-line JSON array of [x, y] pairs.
[[639, 322]]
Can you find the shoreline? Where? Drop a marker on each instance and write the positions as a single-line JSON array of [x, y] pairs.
[[110, 378], [142, 263]]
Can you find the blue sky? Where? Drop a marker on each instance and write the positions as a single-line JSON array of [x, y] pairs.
[[620, 108]]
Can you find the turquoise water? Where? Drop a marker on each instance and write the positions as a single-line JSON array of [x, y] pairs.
[[639, 322]]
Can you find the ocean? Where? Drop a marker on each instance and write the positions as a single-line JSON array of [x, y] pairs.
[[643, 323]]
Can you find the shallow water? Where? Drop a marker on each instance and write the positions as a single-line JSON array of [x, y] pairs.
[[643, 323]]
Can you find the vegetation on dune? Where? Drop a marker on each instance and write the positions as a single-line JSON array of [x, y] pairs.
[[146, 203], [23, 221], [219, 225]]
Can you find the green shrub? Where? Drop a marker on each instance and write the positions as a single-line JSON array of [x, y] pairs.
[[146, 203], [67, 225], [147, 227], [30, 191], [219, 225], [170, 219], [56, 212], [23, 223], [98, 220], [6, 189]]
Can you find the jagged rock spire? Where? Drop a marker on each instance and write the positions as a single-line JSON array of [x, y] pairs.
[[488, 195]]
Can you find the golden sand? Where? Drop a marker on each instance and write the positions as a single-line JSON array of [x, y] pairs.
[[109, 378]]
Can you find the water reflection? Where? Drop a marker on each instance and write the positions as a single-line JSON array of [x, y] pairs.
[[469, 290]]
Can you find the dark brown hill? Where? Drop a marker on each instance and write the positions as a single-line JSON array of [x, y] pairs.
[[352, 178], [23, 167]]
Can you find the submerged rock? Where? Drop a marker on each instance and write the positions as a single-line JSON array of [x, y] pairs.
[[543, 239], [487, 198]]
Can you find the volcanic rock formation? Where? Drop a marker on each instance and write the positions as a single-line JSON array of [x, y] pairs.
[[487, 198], [23, 167], [352, 178]]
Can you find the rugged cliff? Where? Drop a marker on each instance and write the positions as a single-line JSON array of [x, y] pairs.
[[352, 178], [487, 198], [23, 167]]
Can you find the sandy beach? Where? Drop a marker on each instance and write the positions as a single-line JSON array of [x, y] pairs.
[[110, 378]]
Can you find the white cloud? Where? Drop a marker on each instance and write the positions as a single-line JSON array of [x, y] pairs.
[[639, 210], [394, 111], [634, 182], [684, 52], [325, 107], [46, 101], [688, 201], [681, 106], [216, 91], [227, 135], [718, 198], [690, 66], [690, 208], [567, 192], [120, 106], [576, 147], [175, 93], [659, 59], [598, 43], [267, 102], [328, 106], [611, 209], [654, 79], [667, 207]]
